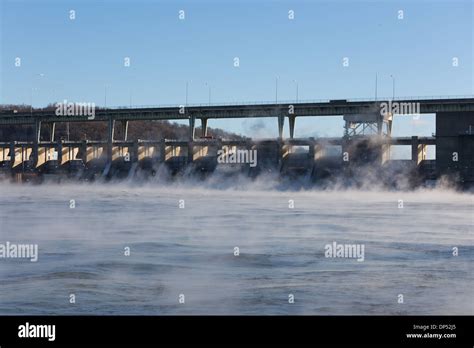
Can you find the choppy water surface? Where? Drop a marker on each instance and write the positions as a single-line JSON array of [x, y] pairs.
[[190, 251]]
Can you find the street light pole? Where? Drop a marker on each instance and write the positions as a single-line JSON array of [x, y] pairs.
[[186, 103], [276, 90], [209, 92], [393, 87], [105, 96], [31, 101], [376, 86], [40, 75], [296, 82]]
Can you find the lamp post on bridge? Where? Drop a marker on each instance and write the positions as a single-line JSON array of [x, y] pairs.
[[296, 82], [40, 75], [393, 87], [209, 93], [105, 96], [276, 89], [31, 99], [187, 87]]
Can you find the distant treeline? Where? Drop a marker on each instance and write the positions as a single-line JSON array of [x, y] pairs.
[[145, 130]]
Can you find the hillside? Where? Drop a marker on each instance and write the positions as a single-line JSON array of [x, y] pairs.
[[144, 130]]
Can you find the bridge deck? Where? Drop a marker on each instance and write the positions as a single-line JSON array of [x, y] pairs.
[[325, 108]]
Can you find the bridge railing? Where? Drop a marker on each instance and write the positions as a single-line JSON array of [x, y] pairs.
[[267, 102], [290, 101]]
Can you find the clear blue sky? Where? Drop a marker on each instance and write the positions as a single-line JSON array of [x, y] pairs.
[[75, 59]]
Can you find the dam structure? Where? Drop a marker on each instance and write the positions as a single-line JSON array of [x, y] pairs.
[[366, 143]]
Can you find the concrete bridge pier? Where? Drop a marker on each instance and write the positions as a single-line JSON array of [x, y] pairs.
[[281, 123], [36, 140], [51, 127], [291, 122], [37, 130], [12, 154], [162, 150], [83, 151], [204, 126], [192, 127], [59, 148], [190, 154], [124, 125], [52, 130], [110, 138], [134, 152]]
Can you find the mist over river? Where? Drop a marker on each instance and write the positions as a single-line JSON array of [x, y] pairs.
[[83, 231]]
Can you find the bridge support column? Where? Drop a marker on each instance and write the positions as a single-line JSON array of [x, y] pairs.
[[83, 152], [52, 129], [125, 129], [204, 127], [111, 130], [192, 127], [37, 131], [312, 151], [12, 154], [291, 121], [163, 151], [414, 149], [133, 152], [36, 140], [110, 138], [59, 149], [281, 122], [50, 126]]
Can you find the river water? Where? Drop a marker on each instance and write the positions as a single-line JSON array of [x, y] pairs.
[[83, 232]]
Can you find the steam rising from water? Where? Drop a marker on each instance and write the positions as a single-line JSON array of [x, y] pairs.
[[190, 251]]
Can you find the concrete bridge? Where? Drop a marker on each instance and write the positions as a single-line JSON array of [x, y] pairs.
[[367, 139]]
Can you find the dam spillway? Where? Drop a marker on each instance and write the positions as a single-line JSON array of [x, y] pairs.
[[89, 160], [367, 142]]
